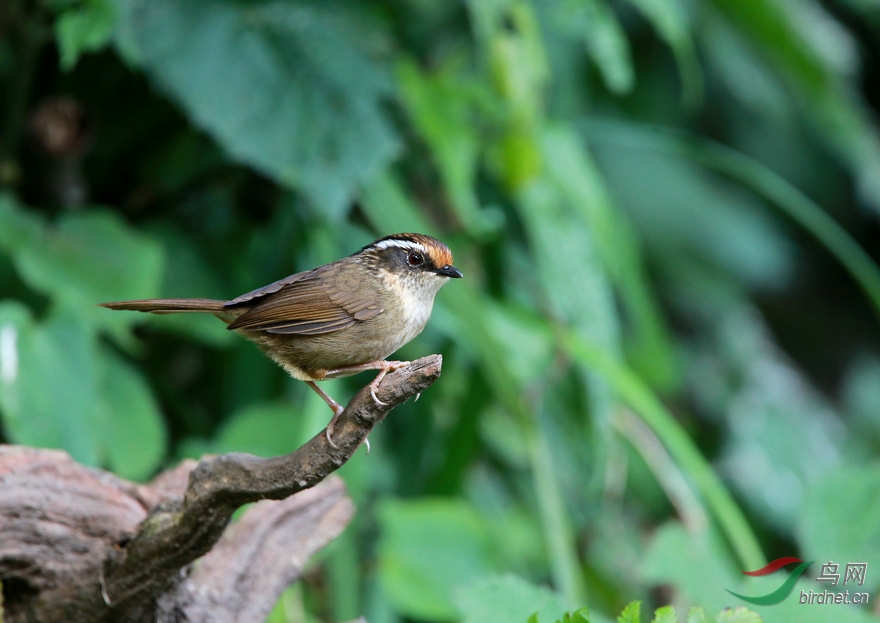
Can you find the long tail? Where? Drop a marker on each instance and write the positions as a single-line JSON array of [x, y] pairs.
[[169, 306]]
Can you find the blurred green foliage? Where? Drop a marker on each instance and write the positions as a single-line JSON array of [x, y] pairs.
[[661, 368]]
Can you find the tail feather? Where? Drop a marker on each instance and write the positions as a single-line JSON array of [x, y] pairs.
[[169, 306]]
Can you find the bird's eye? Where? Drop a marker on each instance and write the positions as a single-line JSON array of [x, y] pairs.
[[414, 259]]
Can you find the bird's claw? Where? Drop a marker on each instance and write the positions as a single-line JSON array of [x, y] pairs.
[[390, 366], [375, 397], [328, 432]]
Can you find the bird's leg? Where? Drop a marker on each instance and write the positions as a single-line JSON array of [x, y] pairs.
[[383, 366], [337, 410]]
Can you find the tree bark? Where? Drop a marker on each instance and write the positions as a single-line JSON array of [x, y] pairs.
[[79, 544]]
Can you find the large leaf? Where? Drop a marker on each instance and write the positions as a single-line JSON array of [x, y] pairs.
[[429, 549], [840, 519], [18, 228], [86, 258], [693, 562], [500, 599], [288, 88], [389, 208], [58, 390], [130, 425], [265, 429], [47, 383], [697, 566]]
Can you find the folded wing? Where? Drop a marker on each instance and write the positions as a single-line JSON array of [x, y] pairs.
[[304, 304]]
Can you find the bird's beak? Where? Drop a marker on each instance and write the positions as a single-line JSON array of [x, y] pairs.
[[450, 271]]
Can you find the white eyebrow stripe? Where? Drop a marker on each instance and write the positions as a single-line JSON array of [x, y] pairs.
[[406, 245]]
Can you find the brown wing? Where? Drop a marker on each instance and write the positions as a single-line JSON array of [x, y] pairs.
[[303, 304]]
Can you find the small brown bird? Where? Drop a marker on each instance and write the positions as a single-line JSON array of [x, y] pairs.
[[338, 319]]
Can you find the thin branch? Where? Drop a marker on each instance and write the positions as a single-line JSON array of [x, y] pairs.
[[176, 535]]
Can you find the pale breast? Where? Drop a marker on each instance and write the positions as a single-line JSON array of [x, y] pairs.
[[417, 303]]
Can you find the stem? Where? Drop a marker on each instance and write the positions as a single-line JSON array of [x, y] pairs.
[[800, 208], [635, 393], [555, 523]]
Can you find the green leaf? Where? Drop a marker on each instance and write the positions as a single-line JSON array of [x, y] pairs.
[[501, 599], [527, 342], [671, 22], [479, 335], [799, 207], [440, 105], [388, 206], [666, 614], [583, 187], [517, 59], [564, 243], [86, 28], [48, 380], [596, 24], [290, 89], [131, 428], [607, 44], [264, 429], [694, 562], [840, 517], [573, 280], [631, 614], [571, 273], [19, 228], [578, 616], [90, 257], [772, 250], [740, 614], [697, 615], [57, 390], [647, 406], [429, 549], [16, 328]]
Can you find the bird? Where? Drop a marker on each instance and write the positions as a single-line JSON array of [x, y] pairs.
[[337, 319]]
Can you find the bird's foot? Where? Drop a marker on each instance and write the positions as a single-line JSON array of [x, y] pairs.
[[387, 366], [328, 432], [384, 368]]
